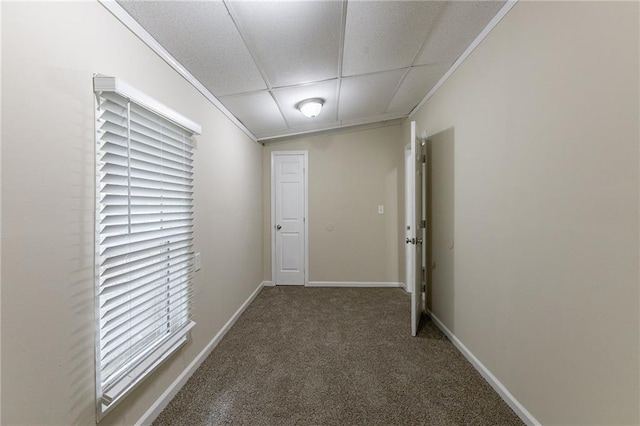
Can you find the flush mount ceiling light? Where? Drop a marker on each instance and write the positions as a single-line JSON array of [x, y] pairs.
[[311, 107]]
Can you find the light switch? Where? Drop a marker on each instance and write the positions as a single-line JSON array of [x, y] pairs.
[[381, 209], [197, 262]]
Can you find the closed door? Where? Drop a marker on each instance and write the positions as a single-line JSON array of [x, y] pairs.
[[289, 218]]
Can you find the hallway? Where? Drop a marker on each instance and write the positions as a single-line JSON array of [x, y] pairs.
[[334, 356]]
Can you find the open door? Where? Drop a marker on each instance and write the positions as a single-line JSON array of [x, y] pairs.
[[415, 230]]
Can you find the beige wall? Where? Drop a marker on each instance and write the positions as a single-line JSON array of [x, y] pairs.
[[545, 284], [0, 211], [49, 54], [350, 174]]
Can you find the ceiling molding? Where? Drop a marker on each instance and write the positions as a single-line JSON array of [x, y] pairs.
[[485, 32], [128, 21]]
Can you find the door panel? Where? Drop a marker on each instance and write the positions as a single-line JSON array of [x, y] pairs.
[[290, 258], [289, 221], [289, 200]]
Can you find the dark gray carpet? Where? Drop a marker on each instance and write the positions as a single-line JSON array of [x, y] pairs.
[[335, 356]]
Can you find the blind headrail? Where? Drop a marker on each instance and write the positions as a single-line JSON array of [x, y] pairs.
[[102, 83]]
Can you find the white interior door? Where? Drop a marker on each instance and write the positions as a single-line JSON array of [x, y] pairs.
[[418, 226], [410, 199], [288, 198]]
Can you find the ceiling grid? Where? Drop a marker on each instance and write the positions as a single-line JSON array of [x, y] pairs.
[[370, 61]]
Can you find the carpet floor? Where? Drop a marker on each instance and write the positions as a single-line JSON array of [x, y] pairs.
[[335, 356]]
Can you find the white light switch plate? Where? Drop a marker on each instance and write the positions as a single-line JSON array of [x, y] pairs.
[[380, 209], [197, 261]]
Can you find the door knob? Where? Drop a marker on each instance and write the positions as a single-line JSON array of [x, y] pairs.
[[418, 240], [410, 241], [278, 227]]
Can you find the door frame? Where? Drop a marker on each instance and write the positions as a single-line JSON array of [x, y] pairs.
[[305, 155]]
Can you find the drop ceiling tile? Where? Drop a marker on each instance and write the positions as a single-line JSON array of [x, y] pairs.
[[289, 97], [367, 95], [257, 111], [293, 42], [204, 39], [386, 35], [460, 24], [416, 86]]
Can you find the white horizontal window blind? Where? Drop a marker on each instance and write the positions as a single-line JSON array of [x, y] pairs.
[[144, 236]]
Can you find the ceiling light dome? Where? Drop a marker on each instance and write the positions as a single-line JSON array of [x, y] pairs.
[[311, 107]]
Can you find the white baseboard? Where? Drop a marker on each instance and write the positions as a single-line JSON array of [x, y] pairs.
[[515, 405], [352, 284], [268, 284], [154, 411], [403, 286]]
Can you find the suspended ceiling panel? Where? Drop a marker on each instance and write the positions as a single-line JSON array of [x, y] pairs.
[[458, 26], [363, 58], [367, 95], [258, 111], [411, 91], [383, 36], [204, 39], [293, 42]]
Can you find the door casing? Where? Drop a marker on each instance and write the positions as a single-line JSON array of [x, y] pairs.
[[305, 155]]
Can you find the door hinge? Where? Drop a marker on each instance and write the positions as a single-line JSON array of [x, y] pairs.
[[424, 158], [423, 224], [424, 288]]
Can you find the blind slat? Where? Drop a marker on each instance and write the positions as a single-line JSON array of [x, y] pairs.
[[146, 238], [116, 189], [141, 209], [144, 271], [162, 151], [114, 300], [111, 230], [142, 331], [132, 299], [142, 200], [139, 111], [143, 246], [129, 264], [158, 276], [132, 255], [118, 165], [141, 134], [120, 379], [144, 218], [114, 336], [143, 183]]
